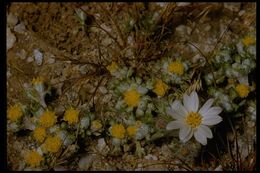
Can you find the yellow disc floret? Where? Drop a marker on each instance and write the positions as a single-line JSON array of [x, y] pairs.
[[242, 90], [160, 88], [193, 119], [176, 67], [112, 67], [118, 131], [39, 134], [248, 40], [14, 112], [48, 119], [132, 97], [131, 130], [71, 115], [96, 125], [52, 144], [33, 158], [38, 80]]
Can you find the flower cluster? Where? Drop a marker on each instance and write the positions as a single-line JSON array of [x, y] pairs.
[[141, 104]]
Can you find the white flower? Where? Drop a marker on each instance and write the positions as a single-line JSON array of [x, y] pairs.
[[191, 121]]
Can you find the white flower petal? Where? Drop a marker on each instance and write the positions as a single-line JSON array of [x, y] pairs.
[[182, 110], [178, 107], [206, 106], [194, 101], [188, 136], [212, 111], [142, 90], [174, 125], [211, 120], [176, 110], [184, 132], [205, 130], [187, 102], [191, 103], [200, 137], [174, 114]]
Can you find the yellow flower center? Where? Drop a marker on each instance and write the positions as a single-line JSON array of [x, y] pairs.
[[132, 98], [138, 124], [193, 119], [96, 125], [112, 67], [52, 144], [248, 41], [242, 90], [176, 67], [131, 130], [71, 115], [39, 134], [48, 119], [231, 81], [160, 88], [14, 112], [38, 80], [33, 158], [118, 131]]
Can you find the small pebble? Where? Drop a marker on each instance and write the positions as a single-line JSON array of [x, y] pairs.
[[29, 59], [12, 19], [20, 28], [22, 54], [10, 39], [38, 56]]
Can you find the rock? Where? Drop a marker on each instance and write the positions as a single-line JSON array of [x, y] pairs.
[[150, 157], [11, 19], [29, 59], [182, 4], [51, 61], [181, 30], [20, 28], [22, 54], [86, 162], [232, 6], [38, 56], [101, 144], [103, 89], [219, 168], [10, 39], [162, 4], [8, 74]]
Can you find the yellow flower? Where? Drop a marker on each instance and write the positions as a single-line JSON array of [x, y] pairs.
[[131, 130], [48, 119], [38, 80], [71, 115], [242, 90], [132, 98], [138, 124], [33, 158], [248, 40], [52, 144], [96, 125], [231, 81], [39, 134], [14, 112], [118, 131], [176, 67], [112, 67], [160, 88]]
